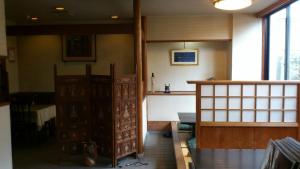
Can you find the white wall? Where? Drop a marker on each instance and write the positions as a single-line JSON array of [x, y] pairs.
[[3, 50], [213, 62], [5, 138], [165, 108], [189, 27], [246, 47], [213, 59]]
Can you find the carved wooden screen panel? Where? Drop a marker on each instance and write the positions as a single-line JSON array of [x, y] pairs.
[[125, 115], [73, 112], [102, 129]]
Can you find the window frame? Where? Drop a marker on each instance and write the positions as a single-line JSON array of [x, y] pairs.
[[266, 41]]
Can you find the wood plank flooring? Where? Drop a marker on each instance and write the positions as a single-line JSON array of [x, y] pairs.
[[159, 154]]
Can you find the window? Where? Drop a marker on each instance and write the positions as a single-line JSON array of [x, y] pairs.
[[283, 53]]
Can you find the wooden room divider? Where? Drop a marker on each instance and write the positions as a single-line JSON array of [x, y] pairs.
[[99, 108], [246, 114]]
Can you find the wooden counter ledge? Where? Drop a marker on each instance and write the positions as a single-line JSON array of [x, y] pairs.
[[173, 93], [4, 103]]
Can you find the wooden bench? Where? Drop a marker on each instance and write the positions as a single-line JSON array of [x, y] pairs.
[[180, 162]]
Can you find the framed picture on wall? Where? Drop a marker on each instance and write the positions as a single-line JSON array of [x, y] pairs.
[[79, 48], [184, 57]]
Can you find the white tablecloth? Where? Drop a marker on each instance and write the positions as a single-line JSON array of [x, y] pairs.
[[43, 113]]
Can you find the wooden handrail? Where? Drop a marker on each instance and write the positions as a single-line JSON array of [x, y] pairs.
[[245, 82], [249, 124], [180, 163]]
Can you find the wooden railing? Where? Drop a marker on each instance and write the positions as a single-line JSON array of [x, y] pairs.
[[245, 114], [180, 163]]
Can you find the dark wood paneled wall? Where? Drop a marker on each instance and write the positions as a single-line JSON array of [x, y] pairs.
[[4, 88], [70, 29]]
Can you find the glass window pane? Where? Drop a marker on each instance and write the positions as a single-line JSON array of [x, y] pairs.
[[277, 45], [294, 53]]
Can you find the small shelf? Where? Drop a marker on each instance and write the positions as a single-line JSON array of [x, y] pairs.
[[172, 93]]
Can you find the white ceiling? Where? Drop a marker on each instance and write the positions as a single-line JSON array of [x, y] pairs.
[[95, 11]]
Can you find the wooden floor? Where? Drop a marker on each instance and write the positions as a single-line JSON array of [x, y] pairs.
[[159, 154]]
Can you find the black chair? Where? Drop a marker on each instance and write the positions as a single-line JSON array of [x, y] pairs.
[[24, 130]]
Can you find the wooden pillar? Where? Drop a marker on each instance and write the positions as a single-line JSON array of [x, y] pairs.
[[139, 70], [298, 110], [144, 55]]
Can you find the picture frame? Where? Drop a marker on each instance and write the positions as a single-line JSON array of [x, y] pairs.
[[187, 57], [11, 52], [79, 48]]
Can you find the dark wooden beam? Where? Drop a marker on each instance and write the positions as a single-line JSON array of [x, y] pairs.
[[274, 7], [139, 70], [70, 29]]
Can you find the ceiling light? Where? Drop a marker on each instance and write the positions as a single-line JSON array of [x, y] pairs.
[[231, 4], [115, 17], [60, 8], [34, 18]]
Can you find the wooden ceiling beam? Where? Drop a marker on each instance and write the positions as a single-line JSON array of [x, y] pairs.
[[274, 7], [70, 29]]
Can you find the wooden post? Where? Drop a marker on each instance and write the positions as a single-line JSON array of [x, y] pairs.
[[139, 70], [112, 76], [88, 70], [55, 74], [198, 115], [144, 55], [298, 110]]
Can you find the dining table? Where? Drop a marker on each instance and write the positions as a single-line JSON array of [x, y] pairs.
[[188, 118], [42, 114]]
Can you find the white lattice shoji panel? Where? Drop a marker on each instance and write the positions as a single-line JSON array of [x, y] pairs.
[[290, 104], [248, 103], [234, 103], [276, 103], [248, 90], [290, 90], [262, 116], [207, 90], [276, 116], [262, 90], [262, 103], [207, 115], [248, 116], [276, 90], [221, 90], [234, 90], [234, 116], [290, 116], [220, 103], [221, 116], [206, 103]]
